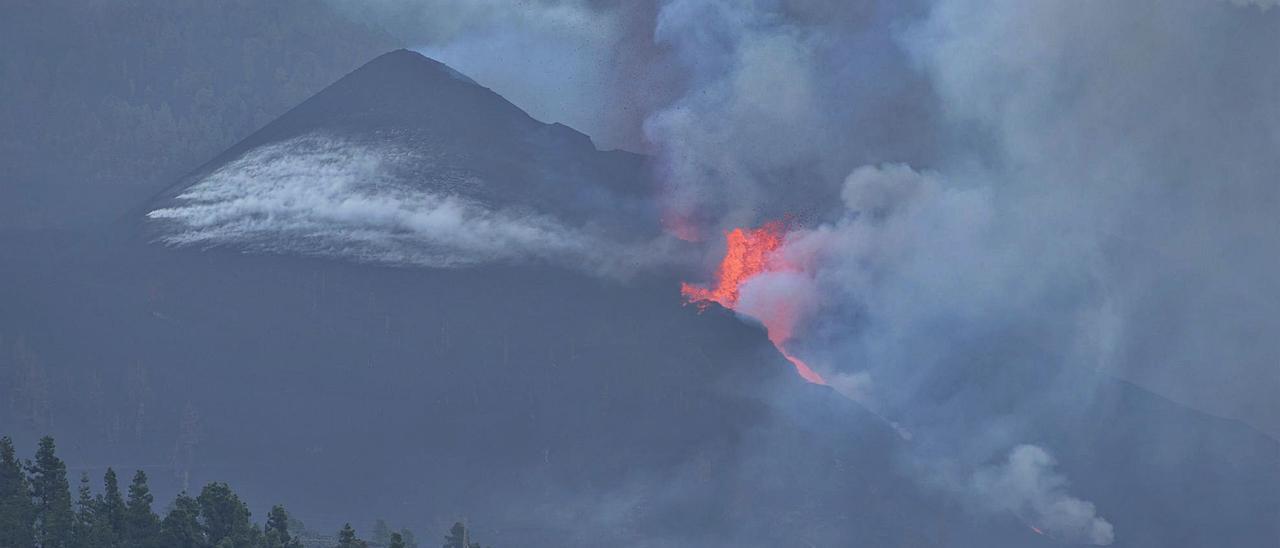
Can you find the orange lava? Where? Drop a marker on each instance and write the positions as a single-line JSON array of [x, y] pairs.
[[747, 254], [806, 372]]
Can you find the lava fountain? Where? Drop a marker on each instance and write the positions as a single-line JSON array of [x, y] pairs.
[[749, 253]]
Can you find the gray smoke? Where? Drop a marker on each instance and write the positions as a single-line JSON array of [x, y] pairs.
[[1026, 485], [1097, 165], [780, 101], [922, 285], [1147, 132]]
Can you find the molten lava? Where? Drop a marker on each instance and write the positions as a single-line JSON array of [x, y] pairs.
[[747, 254]]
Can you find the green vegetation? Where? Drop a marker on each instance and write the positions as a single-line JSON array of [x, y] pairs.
[[36, 510]]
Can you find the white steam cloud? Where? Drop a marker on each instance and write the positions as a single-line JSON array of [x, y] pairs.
[[1027, 485], [325, 196], [1144, 134]]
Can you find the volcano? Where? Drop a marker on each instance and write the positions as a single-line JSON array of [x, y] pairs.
[[367, 308], [406, 161]]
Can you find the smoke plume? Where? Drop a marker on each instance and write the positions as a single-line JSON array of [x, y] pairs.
[[917, 290], [1143, 133], [1026, 485]]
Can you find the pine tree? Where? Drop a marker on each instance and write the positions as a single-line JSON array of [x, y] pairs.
[[225, 517], [381, 533], [36, 510], [347, 538], [276, 532], [54, 521], [99, 534], [85, 510], [409, 540], [111, 509], [396, 541], [459, 537], [142, 526], [181, 526], [16, 511]]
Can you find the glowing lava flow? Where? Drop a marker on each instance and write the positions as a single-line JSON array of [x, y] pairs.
[[748, 253]]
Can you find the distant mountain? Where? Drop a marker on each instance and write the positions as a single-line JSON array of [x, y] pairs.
[[556, 394], [407, 161]]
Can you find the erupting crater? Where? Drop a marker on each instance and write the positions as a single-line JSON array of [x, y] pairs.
[[749, 253]]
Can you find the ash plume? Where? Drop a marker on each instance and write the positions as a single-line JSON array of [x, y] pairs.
[[1081, 177], [1144, 132]]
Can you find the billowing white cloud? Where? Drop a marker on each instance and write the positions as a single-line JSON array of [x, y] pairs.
[[1027, 485], [1145, 134]]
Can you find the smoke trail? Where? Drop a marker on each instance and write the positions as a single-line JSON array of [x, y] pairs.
[[1026, 485], [324, 196]]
